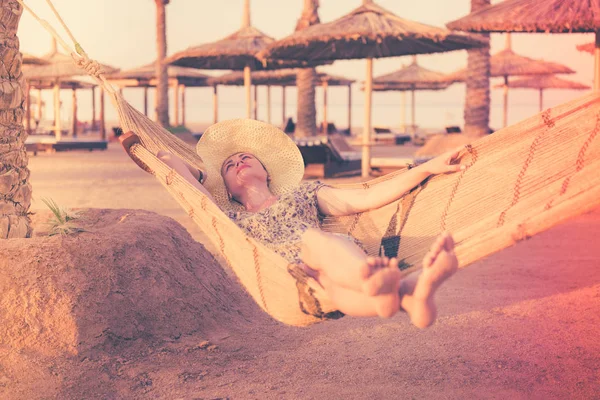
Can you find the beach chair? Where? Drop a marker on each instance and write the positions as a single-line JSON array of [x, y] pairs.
[[387, 135], [332, 152]]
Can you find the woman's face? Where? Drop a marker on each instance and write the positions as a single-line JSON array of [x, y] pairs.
[[239, 170]]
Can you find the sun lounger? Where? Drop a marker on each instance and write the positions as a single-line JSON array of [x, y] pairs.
[[333, 152], [384, 134]]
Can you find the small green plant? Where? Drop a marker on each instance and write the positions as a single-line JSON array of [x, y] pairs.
[[62, 219]]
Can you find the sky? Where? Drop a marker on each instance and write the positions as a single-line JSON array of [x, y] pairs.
[[122, 33]]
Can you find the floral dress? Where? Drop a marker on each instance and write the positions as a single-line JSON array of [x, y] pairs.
[[280, 227]]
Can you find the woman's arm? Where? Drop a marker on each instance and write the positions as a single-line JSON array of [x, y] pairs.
[[338, 202], [185, 170], [189, 173]]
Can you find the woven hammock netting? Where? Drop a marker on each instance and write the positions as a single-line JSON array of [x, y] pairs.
[[520, 181]]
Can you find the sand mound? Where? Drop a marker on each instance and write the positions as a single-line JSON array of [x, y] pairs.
[[131, 275]]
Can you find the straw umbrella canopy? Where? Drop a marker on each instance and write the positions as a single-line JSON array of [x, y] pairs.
[[507, 63], [61, 66], [545, 16], [367, 32], [236, 52], [29, 59], [179, 78], [284, 77], [543, 82], [410, 78], [588, 47]]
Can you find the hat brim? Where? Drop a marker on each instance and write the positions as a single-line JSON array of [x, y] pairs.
[[275, 150]]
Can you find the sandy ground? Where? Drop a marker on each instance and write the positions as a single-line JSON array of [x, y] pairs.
[[521, 324]]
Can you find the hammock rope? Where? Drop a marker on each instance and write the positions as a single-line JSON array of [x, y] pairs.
[[520, 181]]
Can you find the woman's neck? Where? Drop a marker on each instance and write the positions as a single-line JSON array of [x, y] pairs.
[[256, 198]]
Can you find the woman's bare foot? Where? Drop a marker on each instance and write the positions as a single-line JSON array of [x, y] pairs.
[[384, 285], [438, 265]]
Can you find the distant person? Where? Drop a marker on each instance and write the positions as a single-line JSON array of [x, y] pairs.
[[290, 126]]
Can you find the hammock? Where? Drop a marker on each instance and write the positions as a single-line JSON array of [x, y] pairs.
[[520, 181]]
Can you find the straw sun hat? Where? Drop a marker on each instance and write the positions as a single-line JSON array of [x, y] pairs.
[[273, 148]]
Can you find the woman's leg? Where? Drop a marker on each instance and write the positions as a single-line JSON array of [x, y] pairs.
[[344, 263], [349, 277]]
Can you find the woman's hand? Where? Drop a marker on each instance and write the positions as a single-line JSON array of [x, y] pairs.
[[445, 163]]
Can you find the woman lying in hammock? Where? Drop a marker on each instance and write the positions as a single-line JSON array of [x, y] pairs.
[[254, 174]]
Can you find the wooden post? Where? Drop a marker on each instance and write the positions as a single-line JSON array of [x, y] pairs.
[[505, 115], [146, 101], [349, 109], [57, 127], [597, 63], [248, 88], [215, 105], [366, 149], [183, 105], [283, 117], [403, 112], [93, 127], [255, 104], [176, 105], [39, 110], [269, 103], [413, 114], [74, 113], [102, 123], [541, 99], [325, 122], [28, 109]]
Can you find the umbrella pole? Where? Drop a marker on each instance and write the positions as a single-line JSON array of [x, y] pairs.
[[215, 105], [325, 122], [28, 110], [248, 87], [366, 150], [597, 63], [74, 112], [403, 113], [283, 105], [412, 122], [102, 123], [269, 103], [349, 110], [39, 105], [183, 105], [541, 99], [505, 115], [176, 98], [255, 103], [146, 101], [93, 127], [57, 132]]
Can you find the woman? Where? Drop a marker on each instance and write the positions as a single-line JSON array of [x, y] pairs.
[[254, 174]]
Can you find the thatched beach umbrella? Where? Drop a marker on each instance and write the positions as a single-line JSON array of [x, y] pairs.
[[544, 16], [367, 32], [179, 78], [72, 84], [507, 63], [61, 66], [543, 82], [410, 78], [29, 59], [588, 47], [284, 77], [236, 51]]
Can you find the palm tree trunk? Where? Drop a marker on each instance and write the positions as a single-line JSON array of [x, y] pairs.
[[162, 88], [15, 189], [306, 79], [477, 102]]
